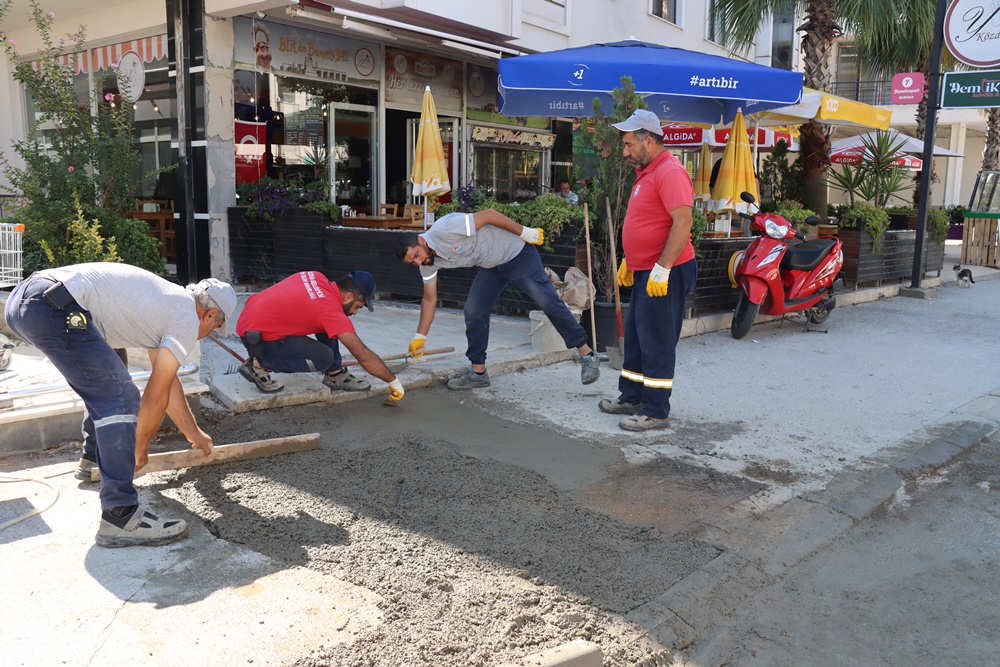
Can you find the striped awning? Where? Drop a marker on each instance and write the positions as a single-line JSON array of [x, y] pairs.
[[150, 49]]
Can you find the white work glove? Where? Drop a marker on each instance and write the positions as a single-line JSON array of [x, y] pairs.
[[416, 348], [658, 279], [533, 235], [396, 390]]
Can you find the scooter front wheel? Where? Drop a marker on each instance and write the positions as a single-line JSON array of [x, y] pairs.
[[744, 314]]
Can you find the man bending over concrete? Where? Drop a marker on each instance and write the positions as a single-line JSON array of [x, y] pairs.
[[505, 252], [76, 316]]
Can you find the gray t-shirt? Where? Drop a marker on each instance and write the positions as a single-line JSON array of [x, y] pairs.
[[132, 307], [457, 244]]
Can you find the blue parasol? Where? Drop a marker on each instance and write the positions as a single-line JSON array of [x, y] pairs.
[[676, 84]]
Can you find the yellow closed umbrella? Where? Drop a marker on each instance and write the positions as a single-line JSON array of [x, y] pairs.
[[429, 174], [736, 174], [703, 176]]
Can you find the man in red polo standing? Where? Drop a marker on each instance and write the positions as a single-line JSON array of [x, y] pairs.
[[660, 267]]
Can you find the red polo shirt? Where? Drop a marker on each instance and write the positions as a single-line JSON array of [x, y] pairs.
[[662, 186], [302, 304]]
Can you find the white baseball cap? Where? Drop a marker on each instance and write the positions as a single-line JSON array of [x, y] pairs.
[[224, 297], [641, 119]]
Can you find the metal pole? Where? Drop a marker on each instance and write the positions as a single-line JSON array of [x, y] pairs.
[[933, 102]]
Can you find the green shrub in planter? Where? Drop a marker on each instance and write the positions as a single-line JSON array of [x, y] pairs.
[[871, 218], [938, 224]]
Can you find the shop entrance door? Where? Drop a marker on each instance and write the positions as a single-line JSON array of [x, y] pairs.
[[354, 168], [449, 141]]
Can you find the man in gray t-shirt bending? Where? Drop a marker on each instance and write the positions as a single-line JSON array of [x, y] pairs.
[[505, 253], [76, 316]]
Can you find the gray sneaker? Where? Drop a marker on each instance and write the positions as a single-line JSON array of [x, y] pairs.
[[642, 423], [613, 406], [87, 471], [259, 377], [346, 381], [143, 529], [590, 368], [469, 380]]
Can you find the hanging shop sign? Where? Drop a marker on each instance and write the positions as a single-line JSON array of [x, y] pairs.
[[290, 50], [971, 90], [972, 32], [407, 73], [499, 135]]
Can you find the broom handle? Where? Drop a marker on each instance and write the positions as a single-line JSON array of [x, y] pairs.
[[614, 264], [391, 357], [590, 277], [397, 357]]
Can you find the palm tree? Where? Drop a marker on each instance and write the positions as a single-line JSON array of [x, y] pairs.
[[892, 35], [991, 153]]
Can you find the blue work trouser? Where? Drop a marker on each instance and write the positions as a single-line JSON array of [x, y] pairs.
[[525, 271], [300, 354], [652, 327], [94, 370]]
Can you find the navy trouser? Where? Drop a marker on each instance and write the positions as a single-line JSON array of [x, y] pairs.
[[300, 354], [95, 372], [652, 328], [525, 271]]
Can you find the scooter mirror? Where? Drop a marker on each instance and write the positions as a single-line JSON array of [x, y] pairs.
[[747, 197], [812, 220]]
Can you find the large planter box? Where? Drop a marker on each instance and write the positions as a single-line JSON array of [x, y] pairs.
[[713, 291], [270, 251], [348, 248], [893, 260]]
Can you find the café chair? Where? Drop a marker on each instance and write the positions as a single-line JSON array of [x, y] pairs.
[[388, 209]]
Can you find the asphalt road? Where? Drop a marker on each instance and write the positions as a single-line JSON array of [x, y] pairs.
[[916, 584]]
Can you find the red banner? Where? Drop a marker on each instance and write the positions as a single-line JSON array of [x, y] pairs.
[[251, 146]]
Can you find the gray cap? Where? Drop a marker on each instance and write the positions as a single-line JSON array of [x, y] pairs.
[[641, 119], [224, 297]]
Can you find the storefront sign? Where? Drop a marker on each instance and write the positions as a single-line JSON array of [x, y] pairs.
[[972, 90], [283, 49], [499, 135], [407, 73], [908, 88], [972, 32]]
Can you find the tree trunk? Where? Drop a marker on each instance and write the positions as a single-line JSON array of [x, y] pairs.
[[818, 34], [991, 153]]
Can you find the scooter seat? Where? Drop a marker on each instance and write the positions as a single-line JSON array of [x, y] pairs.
[[807, 255]]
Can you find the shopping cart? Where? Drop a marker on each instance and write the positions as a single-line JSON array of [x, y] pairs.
[[10, 254]]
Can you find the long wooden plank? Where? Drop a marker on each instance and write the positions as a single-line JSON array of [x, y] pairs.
[[241, 451]]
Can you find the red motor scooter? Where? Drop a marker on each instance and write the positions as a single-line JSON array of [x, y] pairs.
[[777, 277]]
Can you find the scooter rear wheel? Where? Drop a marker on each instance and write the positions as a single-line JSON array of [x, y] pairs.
[[818, 313], [744, 314]]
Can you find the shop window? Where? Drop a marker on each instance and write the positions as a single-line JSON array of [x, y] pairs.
[[92, 71]]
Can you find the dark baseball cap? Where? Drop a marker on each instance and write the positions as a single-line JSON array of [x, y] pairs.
[[366, 283]]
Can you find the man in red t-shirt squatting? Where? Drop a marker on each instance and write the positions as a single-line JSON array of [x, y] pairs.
[[276, 324], [656, 241]]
